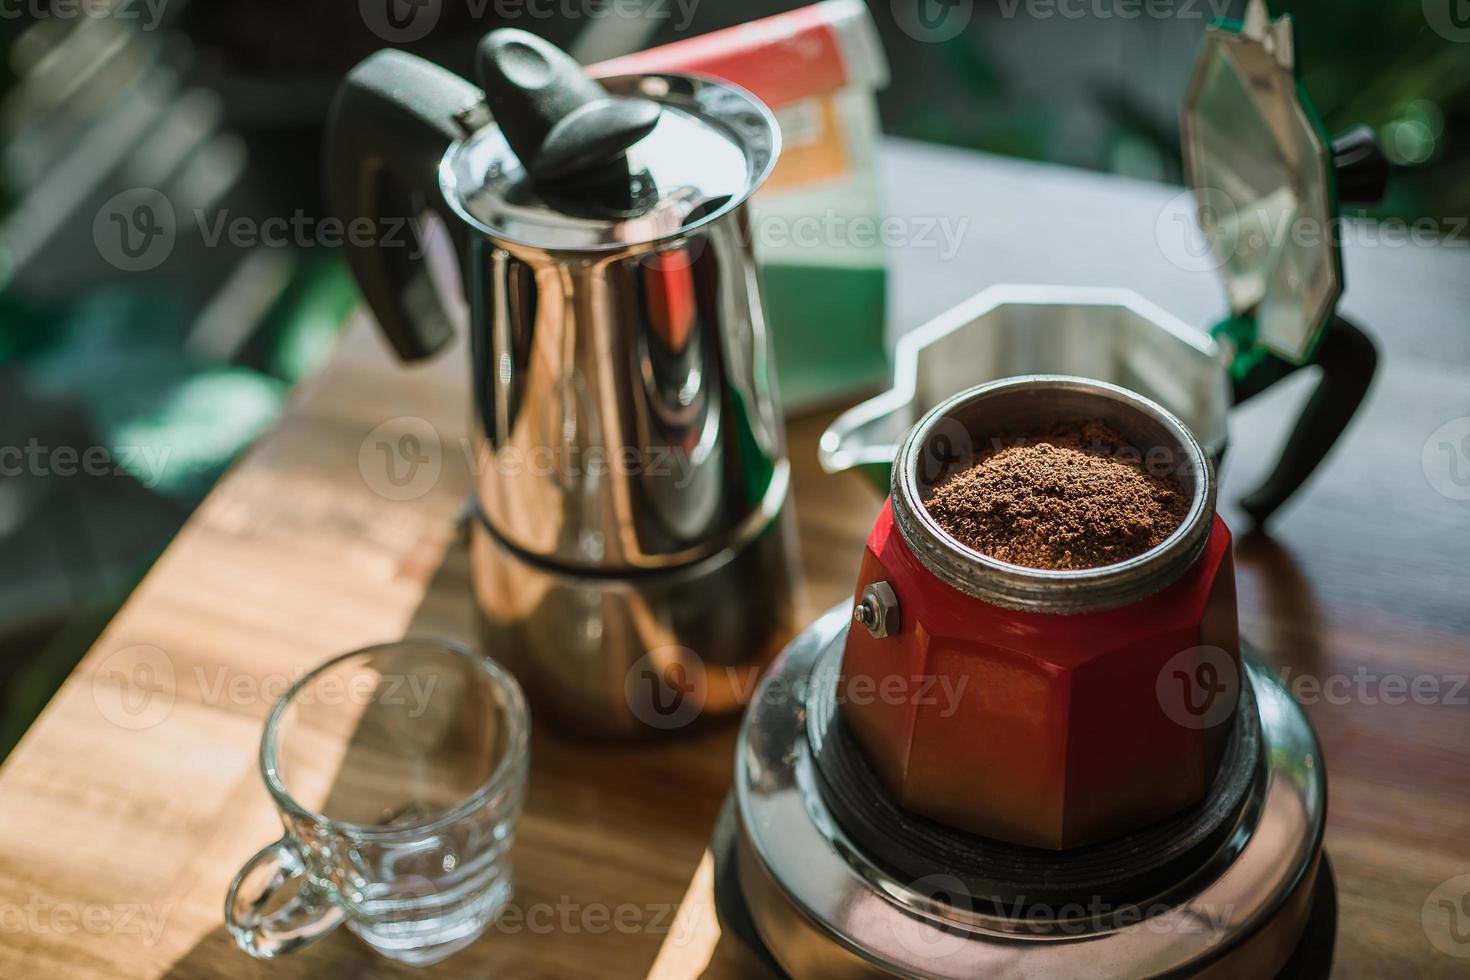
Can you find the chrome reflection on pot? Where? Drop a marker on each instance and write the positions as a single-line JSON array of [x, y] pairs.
[[631, 469], [626, 414], [629, 460]]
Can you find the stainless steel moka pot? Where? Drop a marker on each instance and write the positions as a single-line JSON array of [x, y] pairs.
[[630, 558]]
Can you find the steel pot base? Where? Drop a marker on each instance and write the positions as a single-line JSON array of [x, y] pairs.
[[638, 656], [823, 909]]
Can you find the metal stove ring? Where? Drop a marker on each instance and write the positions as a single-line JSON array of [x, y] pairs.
[[824, 909]]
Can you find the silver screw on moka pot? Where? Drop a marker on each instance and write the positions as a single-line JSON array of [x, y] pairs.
[[878, 610], [629, 463]]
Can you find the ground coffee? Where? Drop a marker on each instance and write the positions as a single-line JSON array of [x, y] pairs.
[[1075, 496]]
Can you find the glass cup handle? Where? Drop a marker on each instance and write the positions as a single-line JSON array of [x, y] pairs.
[[266, 928]]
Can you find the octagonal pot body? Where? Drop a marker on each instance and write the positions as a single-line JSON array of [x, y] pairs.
[[1044, 729]]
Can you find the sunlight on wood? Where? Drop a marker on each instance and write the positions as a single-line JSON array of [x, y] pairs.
[[690, 945]]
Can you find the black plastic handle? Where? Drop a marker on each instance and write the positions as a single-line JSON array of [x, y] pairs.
[[1348, 360], [1362, 169], [393, 118], [561, 123]]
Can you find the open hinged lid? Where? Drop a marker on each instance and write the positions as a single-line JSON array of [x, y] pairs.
[[1261, 166]]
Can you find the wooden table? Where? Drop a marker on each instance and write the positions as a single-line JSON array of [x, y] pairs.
[[135, 797]]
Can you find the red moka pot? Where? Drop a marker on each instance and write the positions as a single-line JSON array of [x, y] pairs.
[[1045, 708]]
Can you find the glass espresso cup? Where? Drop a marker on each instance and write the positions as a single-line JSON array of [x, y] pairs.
[[399, 772]]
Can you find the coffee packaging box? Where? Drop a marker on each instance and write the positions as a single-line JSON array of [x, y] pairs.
[[816, 221]]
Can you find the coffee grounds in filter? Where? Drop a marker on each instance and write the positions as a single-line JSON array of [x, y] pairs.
[[1075, 496]]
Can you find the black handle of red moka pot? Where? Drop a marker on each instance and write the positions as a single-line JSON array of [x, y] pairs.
[[1348, 360], [394, 117]]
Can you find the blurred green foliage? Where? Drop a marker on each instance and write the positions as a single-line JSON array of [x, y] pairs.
[[1383, 65], [1364, 62]]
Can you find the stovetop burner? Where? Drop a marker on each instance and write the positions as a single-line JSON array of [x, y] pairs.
[[821, 873], [1311, 960], [1007, 879]]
